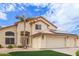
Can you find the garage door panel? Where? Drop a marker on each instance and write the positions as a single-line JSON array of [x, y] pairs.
[[55, 42]]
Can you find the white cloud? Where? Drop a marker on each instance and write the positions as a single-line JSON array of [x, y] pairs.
[[3, 16], [10, 8], [39, 4], [63, 16], [7, 7]]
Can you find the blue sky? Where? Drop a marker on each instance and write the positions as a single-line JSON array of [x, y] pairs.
[[64, 16], [10, 11]]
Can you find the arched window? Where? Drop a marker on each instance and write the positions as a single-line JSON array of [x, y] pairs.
[[9, 33]]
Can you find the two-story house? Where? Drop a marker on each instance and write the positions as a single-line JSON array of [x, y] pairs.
[[39, 33]]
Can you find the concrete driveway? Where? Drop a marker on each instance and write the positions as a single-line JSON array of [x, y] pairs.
[[70, 51]]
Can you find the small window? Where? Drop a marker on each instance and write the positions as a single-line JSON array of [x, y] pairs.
[[9, 40], [22, 33], [38, 27]]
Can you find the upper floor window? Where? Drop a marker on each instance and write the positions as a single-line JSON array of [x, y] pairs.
[[38, 27], [9, 33]]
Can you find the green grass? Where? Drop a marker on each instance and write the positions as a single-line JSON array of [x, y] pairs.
[[35, 53]]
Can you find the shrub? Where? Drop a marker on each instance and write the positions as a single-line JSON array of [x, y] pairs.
[[20, 46], [1, 46], [77, 53], [10, 46]]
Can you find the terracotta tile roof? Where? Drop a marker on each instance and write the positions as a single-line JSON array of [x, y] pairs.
[[46, 20], [28, 19], [54, 33], [62, 33], [35, 18]]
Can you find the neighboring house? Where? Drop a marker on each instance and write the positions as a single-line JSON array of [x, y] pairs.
[[40, 33]]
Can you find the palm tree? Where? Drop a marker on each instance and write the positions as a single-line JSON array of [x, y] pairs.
[[0, 26], [22, 18]]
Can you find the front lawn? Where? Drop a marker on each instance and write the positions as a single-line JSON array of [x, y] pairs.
[[35, 53]]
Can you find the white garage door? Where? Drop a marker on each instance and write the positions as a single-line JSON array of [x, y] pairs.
[[55, 42], [70, 42], [36, 42]]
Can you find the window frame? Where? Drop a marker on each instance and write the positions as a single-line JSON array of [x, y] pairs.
[[9, 37], [38, 27], [9, 41]]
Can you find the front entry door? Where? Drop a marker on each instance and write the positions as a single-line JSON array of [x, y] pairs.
[[25, 39]]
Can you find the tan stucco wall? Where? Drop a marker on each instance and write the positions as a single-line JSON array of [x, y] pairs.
[[50, 26], [32, 30], [2, 34], [44, 27], [20, 26]]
